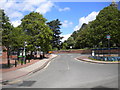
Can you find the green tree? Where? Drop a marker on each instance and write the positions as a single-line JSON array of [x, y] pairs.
[[94, 33], [18, 37], [70, 42], [107, 22], [6, 30], [64, 45], [55, 27], [38, 33], [0, 37], [44, 39]]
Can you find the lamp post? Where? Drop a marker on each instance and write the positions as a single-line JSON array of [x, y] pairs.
[[24, 52], [38, 50]]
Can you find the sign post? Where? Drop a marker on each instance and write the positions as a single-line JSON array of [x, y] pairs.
[[108, 37]]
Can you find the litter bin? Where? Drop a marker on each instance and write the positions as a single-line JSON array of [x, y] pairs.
[[21, 59]]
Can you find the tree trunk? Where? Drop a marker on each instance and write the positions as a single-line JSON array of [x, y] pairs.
[[18, 54], [31, 55], [43, 54], [8, 57]]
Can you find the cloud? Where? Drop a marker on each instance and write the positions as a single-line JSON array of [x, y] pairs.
[[28, 7], [45, 7], [12, 5], [34, 2], [64, 9], [16, 9], [66, 23], [65, 37], [16, 23], [83, 0], [90, 17], [16, 15]]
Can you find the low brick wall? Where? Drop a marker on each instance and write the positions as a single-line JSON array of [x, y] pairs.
[[4, 56], [73, 51], [113, 51]]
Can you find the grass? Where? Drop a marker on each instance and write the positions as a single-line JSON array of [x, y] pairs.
[[94, 59]]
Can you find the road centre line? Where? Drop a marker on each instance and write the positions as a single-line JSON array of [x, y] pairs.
[[68, 67]]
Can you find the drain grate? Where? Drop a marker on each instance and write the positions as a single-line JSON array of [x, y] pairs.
[[27, 83]]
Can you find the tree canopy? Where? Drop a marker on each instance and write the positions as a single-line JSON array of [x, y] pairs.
[[55, 27], [6, 28], [94, 33], [32, 30], [38, 33]]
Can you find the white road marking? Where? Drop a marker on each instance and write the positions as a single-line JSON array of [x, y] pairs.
[[68, 67], [47, 65], [50, 62]]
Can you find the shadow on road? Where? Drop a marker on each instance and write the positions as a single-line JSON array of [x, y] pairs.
[[103, 88]]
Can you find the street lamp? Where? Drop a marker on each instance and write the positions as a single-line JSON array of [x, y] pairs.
[[24, 53], [38, 50]]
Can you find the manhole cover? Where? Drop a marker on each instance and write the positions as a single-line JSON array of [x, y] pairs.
[[27, 83]]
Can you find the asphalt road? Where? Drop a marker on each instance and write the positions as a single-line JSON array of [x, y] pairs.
[[66, 72]]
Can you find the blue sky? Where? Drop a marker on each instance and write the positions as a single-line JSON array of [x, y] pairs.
[[76, 11], [71, 14]]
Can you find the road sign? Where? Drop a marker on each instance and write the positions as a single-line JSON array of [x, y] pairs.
[[108, 36]]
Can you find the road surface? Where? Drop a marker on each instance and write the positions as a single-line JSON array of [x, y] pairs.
[[66, 72]]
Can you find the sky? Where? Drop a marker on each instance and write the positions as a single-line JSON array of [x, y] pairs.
[[71, 13]]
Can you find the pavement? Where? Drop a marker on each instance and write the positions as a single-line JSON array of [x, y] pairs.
[[12, 74]]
